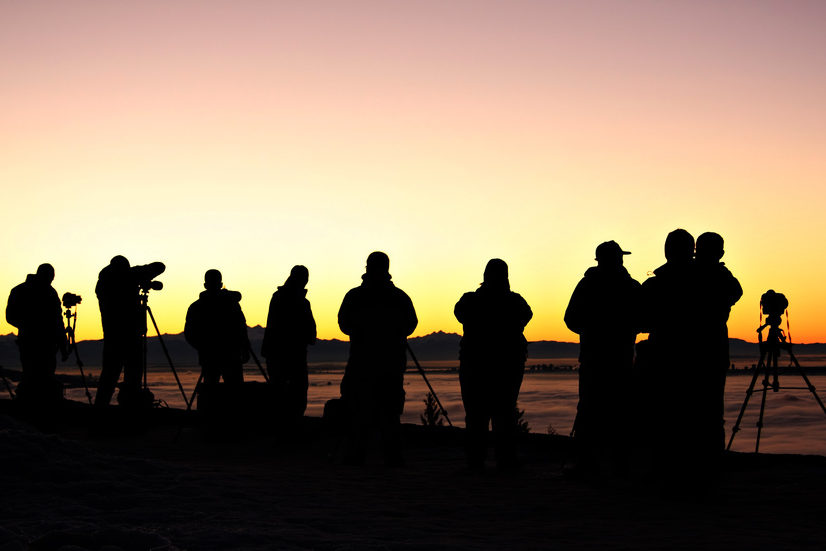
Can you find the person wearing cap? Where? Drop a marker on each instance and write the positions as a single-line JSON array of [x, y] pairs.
[[603, 312], [719, 290], [34, 308], [124, 323], [378, 317], [290, 329], [216, 327], [492, 356]]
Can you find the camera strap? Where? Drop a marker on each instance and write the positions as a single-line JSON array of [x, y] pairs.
[[788, 328]]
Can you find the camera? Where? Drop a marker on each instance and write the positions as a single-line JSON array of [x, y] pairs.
[[70, 300], [150, 285], [774, 305]]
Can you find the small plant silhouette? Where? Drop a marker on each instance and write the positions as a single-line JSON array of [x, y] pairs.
[[521, 422], [432, 415]]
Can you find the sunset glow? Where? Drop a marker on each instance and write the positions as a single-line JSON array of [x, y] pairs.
[[251, 136]]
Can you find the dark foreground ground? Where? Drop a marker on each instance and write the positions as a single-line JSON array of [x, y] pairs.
[[174, 485]]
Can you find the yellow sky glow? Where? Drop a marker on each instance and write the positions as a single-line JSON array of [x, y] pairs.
[[250, 137]]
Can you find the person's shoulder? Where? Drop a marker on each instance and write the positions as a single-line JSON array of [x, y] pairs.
[[20, 287], [470, 295], [400, 292], [517, 297], [353, 294], [232, 297], [195, 306]]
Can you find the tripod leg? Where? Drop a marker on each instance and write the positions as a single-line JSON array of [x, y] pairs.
[[260, 367], [82, 374], [749, 392], [766, 384], [808, 382], [168, 358], [195, 392], [70, 330], [433, 392]]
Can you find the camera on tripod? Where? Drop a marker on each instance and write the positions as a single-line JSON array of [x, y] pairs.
[[774, 305], [71, 300]]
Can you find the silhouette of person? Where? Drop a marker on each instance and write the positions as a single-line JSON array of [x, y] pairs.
[[378, 317], [124, 323], [719, 290], [216, 327], [34, 309], [492, 358], [671, 315], [290, 329], [603, 312]]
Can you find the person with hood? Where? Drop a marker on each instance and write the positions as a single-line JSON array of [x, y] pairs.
[[378, 317], [602, 311], [216, 327], [670, 313], [492, 356], [290, 329], [34, 309], [719, 290], [124, 323]]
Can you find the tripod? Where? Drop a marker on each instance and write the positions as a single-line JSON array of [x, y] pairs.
[[769, 354], [71, 323], [442, 409], [144, 305]]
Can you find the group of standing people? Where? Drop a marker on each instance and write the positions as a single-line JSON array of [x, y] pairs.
[[684, 307], [673, 387]]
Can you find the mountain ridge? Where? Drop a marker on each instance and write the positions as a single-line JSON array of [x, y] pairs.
[[436, 346]]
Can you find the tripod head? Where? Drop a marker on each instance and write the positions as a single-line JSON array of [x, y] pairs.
[[150, 285]]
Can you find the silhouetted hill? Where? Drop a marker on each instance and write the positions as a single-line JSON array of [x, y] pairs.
[[438, 346]]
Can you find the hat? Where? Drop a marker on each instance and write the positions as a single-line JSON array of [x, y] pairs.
[[609, 249]]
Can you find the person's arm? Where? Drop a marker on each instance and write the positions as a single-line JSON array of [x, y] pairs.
[[60, 330], [243, 334], [270, 330], [346, 317], [525, 312], [14, 315], [574, 315], [312, 333], [462, 307], [410, 320], [735, 291], [191, 329]]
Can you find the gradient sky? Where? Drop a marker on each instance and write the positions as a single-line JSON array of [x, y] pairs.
[[250, 136]]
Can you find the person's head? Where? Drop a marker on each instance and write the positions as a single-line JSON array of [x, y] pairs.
[[378, 264], [496, 273], [679, 246], [299, 276], [45, 273], [609, 254], [710, 247], [213, 280], [119, 263]]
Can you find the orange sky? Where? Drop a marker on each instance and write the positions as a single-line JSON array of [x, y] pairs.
[[250, 136]]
